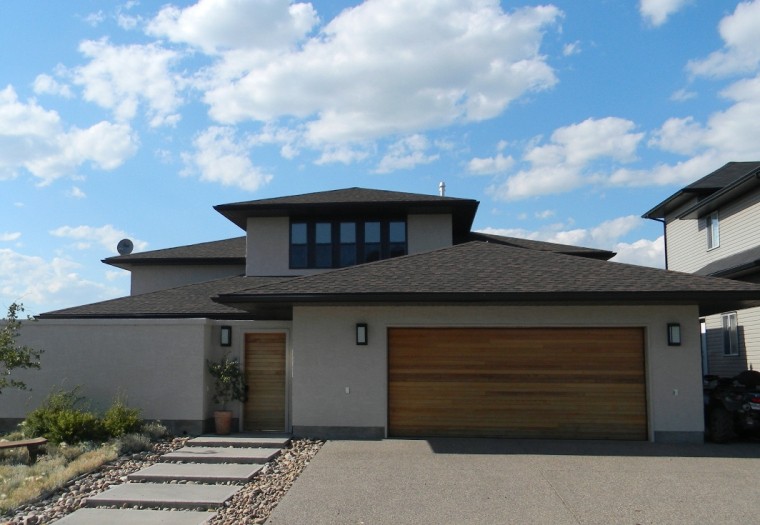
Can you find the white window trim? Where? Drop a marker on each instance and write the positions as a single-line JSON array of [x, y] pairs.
[[713, 241], [727, 352]]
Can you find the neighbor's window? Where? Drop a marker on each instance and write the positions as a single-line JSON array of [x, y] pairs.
[[713, 230], [730, 334], [336, 244]]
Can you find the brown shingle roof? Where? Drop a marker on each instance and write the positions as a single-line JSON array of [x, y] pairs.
[[723, 180], [354, 201], [544, 246], [479, 272], [193, 300], [227, 251]]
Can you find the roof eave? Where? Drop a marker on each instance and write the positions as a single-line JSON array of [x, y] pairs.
[[708, 302], [720, 197]]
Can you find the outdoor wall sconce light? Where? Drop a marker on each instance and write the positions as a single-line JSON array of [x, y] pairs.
[[225, 336], [674, 334], [361, 333]]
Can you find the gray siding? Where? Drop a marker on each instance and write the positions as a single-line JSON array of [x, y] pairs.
[[739, 231], [749, 344]]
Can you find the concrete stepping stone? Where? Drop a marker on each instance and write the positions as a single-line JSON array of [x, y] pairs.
[[239, 440], [197, 472], [222, 455], [131, 517], [185, 496]]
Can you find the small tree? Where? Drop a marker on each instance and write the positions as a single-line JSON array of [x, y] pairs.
[[13, 355], [229, 380]]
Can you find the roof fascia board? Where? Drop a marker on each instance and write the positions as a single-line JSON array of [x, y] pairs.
[[721, 196]]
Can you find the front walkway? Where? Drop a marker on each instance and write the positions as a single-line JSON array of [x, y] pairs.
[[481, 481]]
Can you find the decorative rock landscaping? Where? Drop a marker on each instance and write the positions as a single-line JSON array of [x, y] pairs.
[[251, 504]]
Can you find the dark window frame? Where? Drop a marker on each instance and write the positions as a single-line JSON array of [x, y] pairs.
[[336, 245]]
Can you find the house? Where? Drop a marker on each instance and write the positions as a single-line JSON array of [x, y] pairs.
[[712, 228], [369, 314]]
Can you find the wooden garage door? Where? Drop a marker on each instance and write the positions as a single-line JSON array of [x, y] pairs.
[[265, 376], [559, 383]]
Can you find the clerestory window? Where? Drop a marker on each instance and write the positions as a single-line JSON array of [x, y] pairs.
[[340, 243]]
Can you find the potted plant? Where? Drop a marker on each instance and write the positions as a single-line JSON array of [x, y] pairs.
[[229, 385]]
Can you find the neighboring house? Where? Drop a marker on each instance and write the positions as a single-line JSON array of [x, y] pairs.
[[712, 228], [368, 313]]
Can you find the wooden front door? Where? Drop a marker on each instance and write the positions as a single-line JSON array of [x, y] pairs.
[[265, 376]]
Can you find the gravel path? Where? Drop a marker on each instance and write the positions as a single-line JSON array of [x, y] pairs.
[[251, 505]]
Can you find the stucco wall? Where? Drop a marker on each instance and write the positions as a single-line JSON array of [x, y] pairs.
[[428, 232], [151, 278], [268, 242], [327, 362]]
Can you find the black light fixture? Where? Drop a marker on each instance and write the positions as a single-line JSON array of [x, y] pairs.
[[361, 334], [674, 334], [225, 336]]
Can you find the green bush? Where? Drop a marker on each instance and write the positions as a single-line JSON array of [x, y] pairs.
[[62, 419], [119, 419]]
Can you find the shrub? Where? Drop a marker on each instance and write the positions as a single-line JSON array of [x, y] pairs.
[[131, 443], [119, 419], [60, 419], [155, 430]]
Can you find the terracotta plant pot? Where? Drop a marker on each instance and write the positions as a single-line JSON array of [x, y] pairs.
[[223, 422]]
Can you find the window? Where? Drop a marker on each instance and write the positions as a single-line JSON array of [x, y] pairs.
[[730, 334], [336, 244], [299, 245], [713, 230]]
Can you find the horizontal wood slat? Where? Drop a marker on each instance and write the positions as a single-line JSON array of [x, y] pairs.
[[265, 376], [559, 383]]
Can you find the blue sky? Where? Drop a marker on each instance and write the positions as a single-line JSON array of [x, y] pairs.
[[566, 120]]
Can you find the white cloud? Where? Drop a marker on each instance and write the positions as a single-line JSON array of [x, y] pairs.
[[219, 25], [47, 85], [106, 236], [386, 68], [219, 157], [488, 165], [9, 236], [406, 154], [605, 236], [122, 78], [682, 95], [95, 19], [679, 135], [573, 48], [545, 214], [656, 12], [34, 139], [343, 153], [568, 160], [741, 49], [643, 252], [76, 192], [54, 283]]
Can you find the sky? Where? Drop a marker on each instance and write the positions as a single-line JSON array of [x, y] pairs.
[[567, 120]]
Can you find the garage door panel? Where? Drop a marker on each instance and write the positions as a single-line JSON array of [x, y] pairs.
[[551, 383]]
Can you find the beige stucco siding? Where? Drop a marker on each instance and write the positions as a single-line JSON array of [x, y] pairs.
[[268, 242], [151, 278], [157, 365], [739, 231], [337, 383], [428, 232]]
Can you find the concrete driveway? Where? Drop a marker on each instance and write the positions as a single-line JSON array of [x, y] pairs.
[[483, 481]]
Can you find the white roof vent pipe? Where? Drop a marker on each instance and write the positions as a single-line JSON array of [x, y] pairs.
[[442, 189]]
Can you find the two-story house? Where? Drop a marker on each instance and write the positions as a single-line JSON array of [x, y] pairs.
[[368, 313], [712, 228]]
